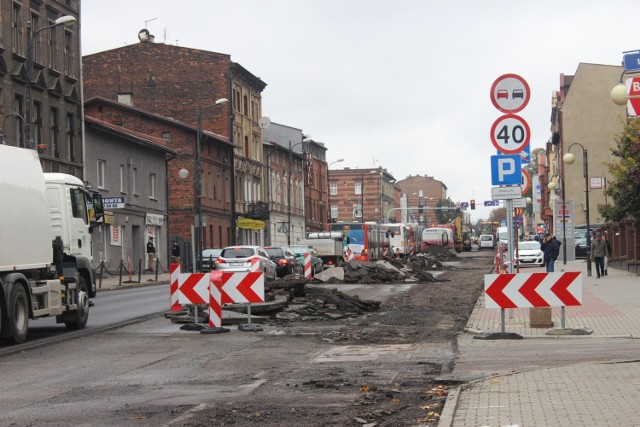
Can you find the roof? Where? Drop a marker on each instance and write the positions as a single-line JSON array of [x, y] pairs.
[[138, 137]]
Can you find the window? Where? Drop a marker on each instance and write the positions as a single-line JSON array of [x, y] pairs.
[[79, 205], [152, 185], [246, 146], [101, 170], [358, 188], [125, 98], [70, 141], [134, 181], [334, 211], [17, 122], [357, 211], [69, 56], [35, 24], [36, 130], [333, 188], [16, 28], [53, 47], [53, 132], [245, 106], [122, 178], [166, 136]]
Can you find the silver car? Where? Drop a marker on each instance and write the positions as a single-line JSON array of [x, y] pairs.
[[241, 258]]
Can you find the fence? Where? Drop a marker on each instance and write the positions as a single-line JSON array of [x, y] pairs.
[[624, 237]]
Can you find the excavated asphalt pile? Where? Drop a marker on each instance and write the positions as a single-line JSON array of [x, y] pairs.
[[289, 299]]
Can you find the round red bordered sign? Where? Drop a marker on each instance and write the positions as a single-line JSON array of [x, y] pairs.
[[510, 134], [510, 93]]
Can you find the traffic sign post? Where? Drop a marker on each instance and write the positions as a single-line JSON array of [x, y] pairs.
[[631, 60], [510, 134], [505, 170], [633, 89], [510, 93]]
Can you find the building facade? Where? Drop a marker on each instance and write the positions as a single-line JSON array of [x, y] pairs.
[[184, 84], [40, 100], [216, 170], [422, 193], [362, 195], [284, 168], [584, 118], [129, 169], [316, 187]]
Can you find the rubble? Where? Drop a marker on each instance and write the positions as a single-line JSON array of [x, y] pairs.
[[289, 299]]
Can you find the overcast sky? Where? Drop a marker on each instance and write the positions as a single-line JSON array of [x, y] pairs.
[[401, 84]]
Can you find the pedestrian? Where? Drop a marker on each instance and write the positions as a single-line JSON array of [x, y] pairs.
[[551, 249], [151, 253], [398, 254], [606, 259], [175, 253], [598, 252]]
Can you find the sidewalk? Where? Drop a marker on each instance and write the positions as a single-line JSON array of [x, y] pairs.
[[148, 278], [579, 394]]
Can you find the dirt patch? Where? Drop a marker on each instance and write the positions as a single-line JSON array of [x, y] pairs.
[[400, 390]]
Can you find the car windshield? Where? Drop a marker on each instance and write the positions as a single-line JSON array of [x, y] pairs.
[[277, 252], [237, 253], [528, 246], [215, 253], [486, 238], [299, 250]]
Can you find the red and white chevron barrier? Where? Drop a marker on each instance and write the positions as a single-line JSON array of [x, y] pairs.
[[307, 265], [215, 299], [524, 290], [174, 271]]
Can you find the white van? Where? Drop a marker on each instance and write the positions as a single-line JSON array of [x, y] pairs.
[[502, 234], [486, 241]]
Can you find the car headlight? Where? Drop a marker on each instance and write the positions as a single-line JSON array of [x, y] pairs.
[[539, 254]]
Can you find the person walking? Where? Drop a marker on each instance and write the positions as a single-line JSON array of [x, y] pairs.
[[551, 249], [175, 253], [599, 250], [151, 253]]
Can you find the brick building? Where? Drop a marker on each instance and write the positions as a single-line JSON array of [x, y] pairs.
[[41, 105], [180, 83], [316, 187], [216, 170], [422, 191], [362, 195]]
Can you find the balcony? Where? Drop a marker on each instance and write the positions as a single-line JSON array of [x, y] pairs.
[[256, 210]]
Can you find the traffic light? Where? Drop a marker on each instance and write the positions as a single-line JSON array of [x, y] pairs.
[[473, 204]]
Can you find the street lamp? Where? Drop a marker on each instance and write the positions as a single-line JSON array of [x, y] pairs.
[[2, 132], [197, 185], [569, 158], [305, 138], [65, 21], [328, 179]]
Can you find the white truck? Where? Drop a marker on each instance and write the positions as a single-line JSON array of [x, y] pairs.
[[45, 245], [329, 245]]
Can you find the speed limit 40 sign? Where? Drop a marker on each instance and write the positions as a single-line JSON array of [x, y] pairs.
[[510, 134]]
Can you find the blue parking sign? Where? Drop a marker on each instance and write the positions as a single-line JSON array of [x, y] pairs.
[[506, 170]]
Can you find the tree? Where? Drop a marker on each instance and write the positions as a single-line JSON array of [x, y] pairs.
[[445, 216], [624, 190]]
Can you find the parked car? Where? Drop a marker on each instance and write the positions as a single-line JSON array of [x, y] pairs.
[[530, 253], [286, 261], [486, 241], [581, 247], [317, 265], [240, 258], [209, 258]]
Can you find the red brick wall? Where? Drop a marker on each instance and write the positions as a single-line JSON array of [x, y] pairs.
[[170, 80]]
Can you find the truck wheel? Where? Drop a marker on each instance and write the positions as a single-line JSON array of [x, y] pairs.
[[18, 314], [77, 319]]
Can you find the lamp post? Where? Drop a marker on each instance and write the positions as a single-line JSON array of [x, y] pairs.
[[328, 171], [197, 185], [2, 133], [569, 158], [65, 20], [305, 138]]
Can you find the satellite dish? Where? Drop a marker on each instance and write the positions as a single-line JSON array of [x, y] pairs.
[[143, 35], [264, 122]]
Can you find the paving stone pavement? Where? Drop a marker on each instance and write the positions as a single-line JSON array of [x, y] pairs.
[[581, 394]]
